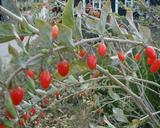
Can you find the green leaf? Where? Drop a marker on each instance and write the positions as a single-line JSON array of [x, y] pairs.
[[90, 23], [114, 96], [65, 36], [12, 51], [6, 32], [71, 80], [77, 31], [68, 14], [45, 30], [107, 122], [10, 107], [78, 67], [115, 27], [101, 24], [119, 115], [51, 90], [31, 84], [9, 123]]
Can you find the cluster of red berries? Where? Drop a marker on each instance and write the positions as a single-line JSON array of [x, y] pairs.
[[102, 51], [152, 59]]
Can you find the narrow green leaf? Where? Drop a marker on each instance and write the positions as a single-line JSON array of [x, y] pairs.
[[12, 51], [30, 84], [119, 115], [6, 32], [101, 24], [65, 36], [68, 14], [77, 31], [10, 107], [9, 123], [45, 30]]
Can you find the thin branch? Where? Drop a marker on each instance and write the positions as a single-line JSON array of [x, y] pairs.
[[17, 18], [12, 15], [146, 117], [83, 41], [136, 98]]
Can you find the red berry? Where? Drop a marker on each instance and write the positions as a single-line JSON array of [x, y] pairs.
[[121, 56], [96, 74], [21, 122], [137, 57], [99, 110], [36, 122], [9, 114], [22, 38], [17, 95], [91, 61], [56, 93], [63, 67], [2, 126], [150, 60], [43, 114], [26, 116], [150, 52], [82, 93], [55, 32], [46, 101], [82, 53], [102, 49], [30, 73], [32, 111], [155, 66], [45, 79]]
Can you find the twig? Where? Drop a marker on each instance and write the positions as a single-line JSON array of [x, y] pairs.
[[17, 18], [12, 15], [136, 98], [144, 118]]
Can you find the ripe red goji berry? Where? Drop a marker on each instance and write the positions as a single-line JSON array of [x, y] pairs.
[[155, 66], [45, 79], [102, 49], [96, 74], [26, 116], [55, 32], [150, 60], [22, 38], [30, 73], [91, 61], [32, 111], [56, 93], [121, 56], [99, 110], [82, 53], [46, 101], [17, 95], [137, 57], [63, 67], [21, 122], [150, 52]]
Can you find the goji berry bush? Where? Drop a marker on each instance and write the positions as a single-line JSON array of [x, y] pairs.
[[79, 68]]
